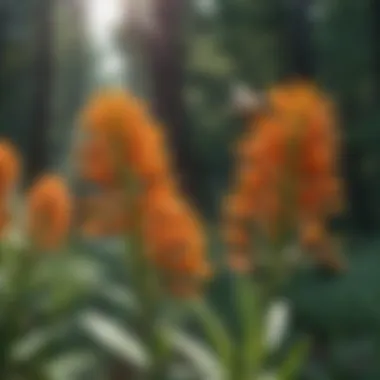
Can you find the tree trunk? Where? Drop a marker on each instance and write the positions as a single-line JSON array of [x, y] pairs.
[[37, 160], [375, 6], [166, 59], [4, 21], [299, 35]]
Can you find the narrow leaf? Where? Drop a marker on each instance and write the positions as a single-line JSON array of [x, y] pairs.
[[33, 343], [201, 357], [74, 365], [216, 332], [295, 360], [115, 338]]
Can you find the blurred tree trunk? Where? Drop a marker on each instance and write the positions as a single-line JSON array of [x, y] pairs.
[[153, 37], [37, 159], [299, 38], [375, 5], [4, 20], [135, 36], [70, 79], [166, 57]]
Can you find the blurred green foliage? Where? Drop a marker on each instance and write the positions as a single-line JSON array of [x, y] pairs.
[[242, 40]]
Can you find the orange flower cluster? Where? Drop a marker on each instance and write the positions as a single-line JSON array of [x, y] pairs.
[[120, 135], [174, 238], [49, 212], [49, 203], [9, 175], [287, 175]]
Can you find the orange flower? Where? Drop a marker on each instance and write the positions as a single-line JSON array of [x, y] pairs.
[[148, 156], [95, 162], [112, 112], [287, 165], [175, 240], [270, 141], [49, 212], [250, 181], [122, 132], [9, 168], [293, 99]]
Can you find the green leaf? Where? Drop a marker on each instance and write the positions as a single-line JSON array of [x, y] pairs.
[[115, 338], [295, 360], [32, 344], [205, 362], [216, 332], [198, 354], [120, 296], [277, 320], [74, 366], [67, 269], [251, 320]]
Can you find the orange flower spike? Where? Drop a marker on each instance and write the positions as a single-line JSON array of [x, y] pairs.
[[176, 241], [149, 156], [170, 229], [251, 182], [280, 98], [49, 212], [190, 258], [322, 123], [159, 208], [295, 101], [111, 113], [95, 162], [317, 161], [110, 117], [117, 118], [270, 143], [9, 168], [309, 200]]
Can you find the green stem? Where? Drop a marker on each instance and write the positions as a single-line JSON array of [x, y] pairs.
[[143, 275], [147, 290], [251, 349], [146, 286], [23, 267], [253, 303]]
